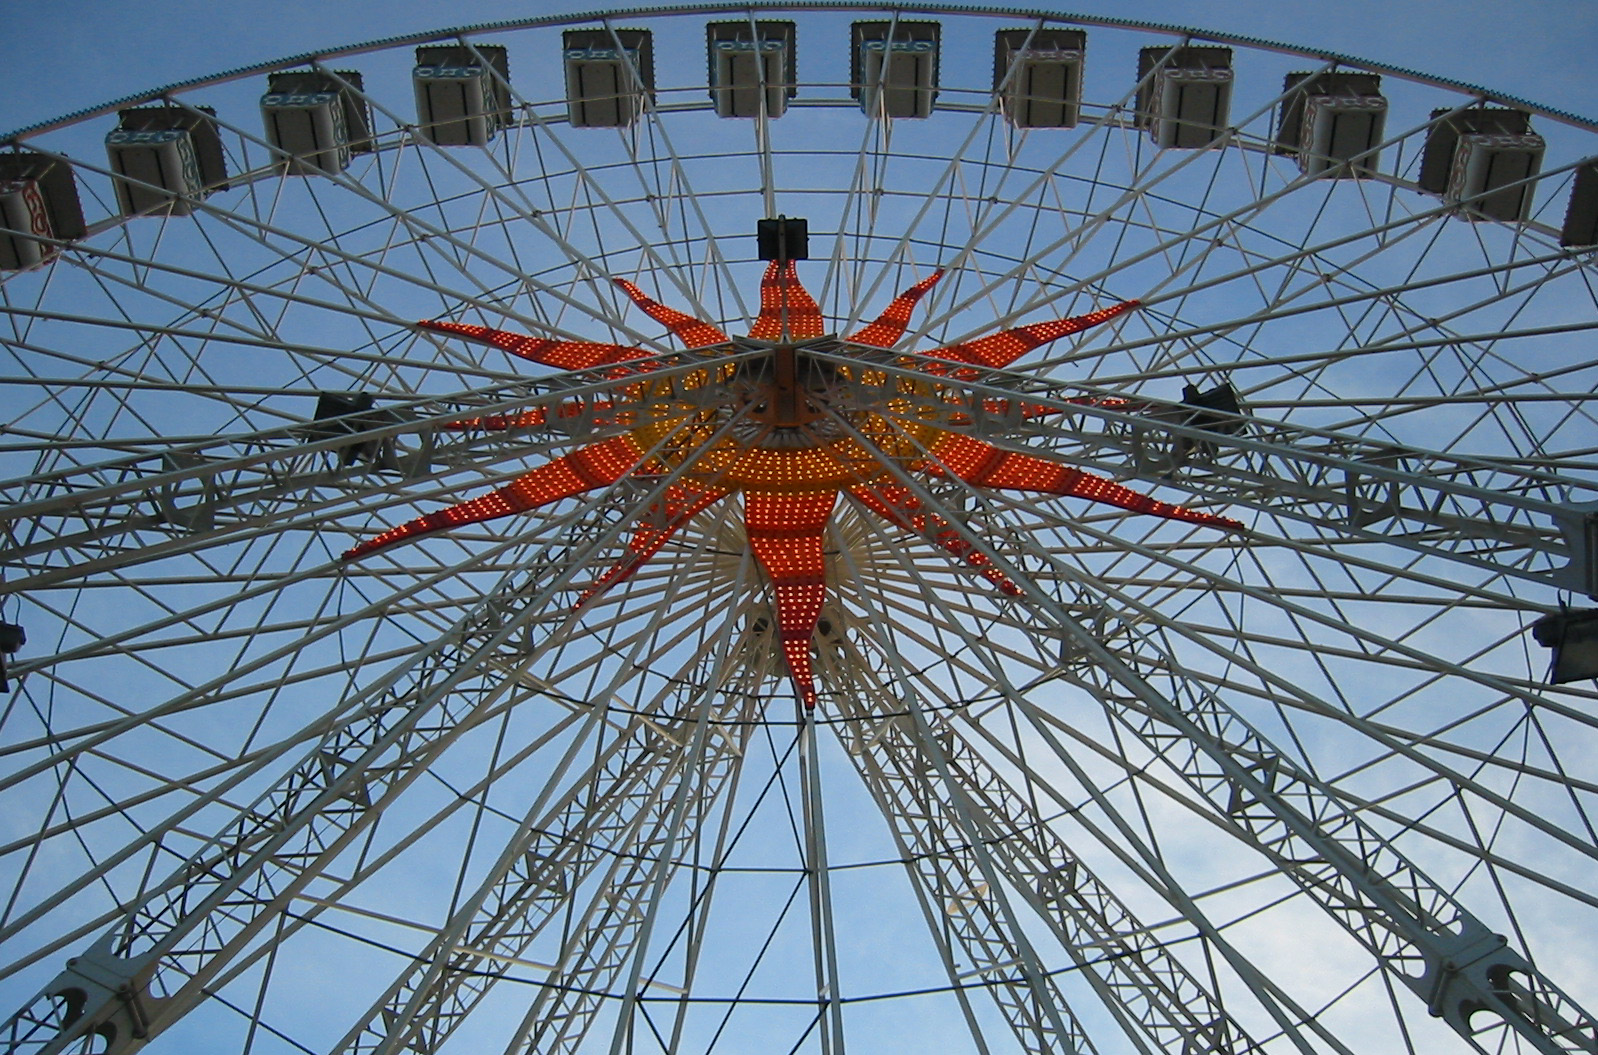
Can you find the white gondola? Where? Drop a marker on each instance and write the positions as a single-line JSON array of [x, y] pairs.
[[38, 207], [1337, 130], [1491, 175], [1581, 217], [160, 172], [308, 126], [319, 120], [1039, 75], [168, 158], [744, 70], [24, 220], [1482, 161], [608, 75], [1185, 95], [1331, 122], [460, 97], [601, 89], [896, 77]]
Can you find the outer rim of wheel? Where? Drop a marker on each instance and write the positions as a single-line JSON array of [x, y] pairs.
[[811, 5]]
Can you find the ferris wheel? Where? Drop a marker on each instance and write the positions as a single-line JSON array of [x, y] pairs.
[[738, 529]]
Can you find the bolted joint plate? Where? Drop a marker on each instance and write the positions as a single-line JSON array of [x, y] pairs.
[[1481, 977], [105, 995]]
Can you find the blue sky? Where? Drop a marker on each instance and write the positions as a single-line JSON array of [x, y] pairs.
[[104, 49]]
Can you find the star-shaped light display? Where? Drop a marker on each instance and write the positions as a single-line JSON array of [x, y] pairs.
[[787, 452]]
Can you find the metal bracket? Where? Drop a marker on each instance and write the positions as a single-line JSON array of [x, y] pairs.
[[1372, 499], [190, 505], [1579, 524], [106, 995], [1481, 974]]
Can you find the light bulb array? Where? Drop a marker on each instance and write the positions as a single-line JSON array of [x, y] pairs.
[[783, 300], [693, 332], [890, 325]]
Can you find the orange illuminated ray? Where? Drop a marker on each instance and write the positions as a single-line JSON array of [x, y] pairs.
[[657, 527], [580, 471], [562, 355], [784, 302], [902, 509], [891, 324], [1003, 348], [983, 465], [694, 333], [528, 419], [785, 534]]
